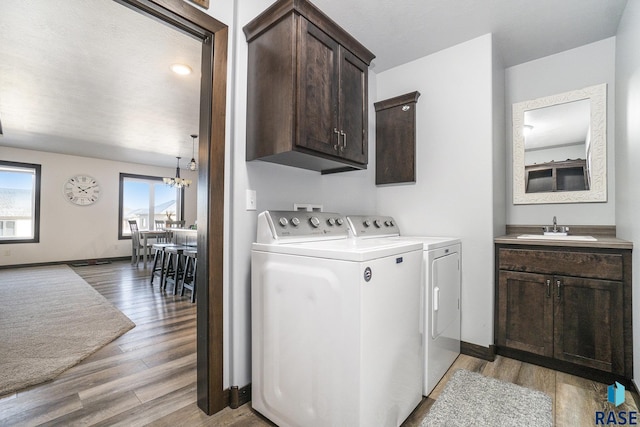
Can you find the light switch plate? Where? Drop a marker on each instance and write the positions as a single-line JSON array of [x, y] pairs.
[[251, 200]]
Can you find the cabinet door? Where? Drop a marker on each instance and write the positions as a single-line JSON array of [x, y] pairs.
[[317, 101], [525, 312], [353, 108], [588, 325]]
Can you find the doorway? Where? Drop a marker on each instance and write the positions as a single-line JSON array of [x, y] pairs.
[[209, 123], [214, 36]]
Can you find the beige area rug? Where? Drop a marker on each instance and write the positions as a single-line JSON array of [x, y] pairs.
[[472, 400], [50, 319]]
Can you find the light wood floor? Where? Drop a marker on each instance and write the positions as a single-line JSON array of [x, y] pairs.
[[148, 375]]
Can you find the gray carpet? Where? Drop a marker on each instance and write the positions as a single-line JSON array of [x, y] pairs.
[[471, 399], [50, 319]]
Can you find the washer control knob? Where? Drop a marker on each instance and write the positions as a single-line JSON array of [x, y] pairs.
[[283, 221], [387, 223], [331, 221], [295, 221], [340, 221], [367, 223], [377, 223], [315, 222]]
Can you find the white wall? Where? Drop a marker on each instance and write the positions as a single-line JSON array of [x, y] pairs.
[[69, 232], [454, 190], [628, 148], [500, 197], [577, 68]]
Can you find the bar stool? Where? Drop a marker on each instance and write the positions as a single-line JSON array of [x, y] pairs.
[[174, 269], [189, 276], [159, 256]]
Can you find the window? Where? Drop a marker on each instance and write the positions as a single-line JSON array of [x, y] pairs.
[[146, 199], [19, 202]]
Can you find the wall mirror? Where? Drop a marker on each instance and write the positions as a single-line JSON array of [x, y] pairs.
[[560, 148]]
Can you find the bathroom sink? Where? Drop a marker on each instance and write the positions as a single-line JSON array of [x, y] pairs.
[[557, 237]]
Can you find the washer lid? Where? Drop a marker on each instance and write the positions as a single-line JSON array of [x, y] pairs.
[[345, 250]]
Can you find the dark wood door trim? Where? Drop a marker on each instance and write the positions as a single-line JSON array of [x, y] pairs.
[[214, 34]]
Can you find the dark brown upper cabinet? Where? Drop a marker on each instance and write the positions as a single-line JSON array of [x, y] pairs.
[[307, 90], [396, 139]]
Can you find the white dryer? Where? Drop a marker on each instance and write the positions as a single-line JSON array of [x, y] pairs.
[[335, 323], [441, 278]]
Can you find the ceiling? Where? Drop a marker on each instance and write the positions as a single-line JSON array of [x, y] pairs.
[[401, 31], [92, 78]]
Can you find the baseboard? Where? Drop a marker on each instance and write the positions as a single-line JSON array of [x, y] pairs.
[[474, 350], [93, 261], [235, 397]]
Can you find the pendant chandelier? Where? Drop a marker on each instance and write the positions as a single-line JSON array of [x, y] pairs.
[[177, 182], [192, 164]]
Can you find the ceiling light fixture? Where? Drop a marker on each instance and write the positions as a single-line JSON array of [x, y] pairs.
[[181, 69], [177, 182], [192, 164]]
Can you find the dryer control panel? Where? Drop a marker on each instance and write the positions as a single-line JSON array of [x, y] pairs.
[[299, 226], [373, 226]]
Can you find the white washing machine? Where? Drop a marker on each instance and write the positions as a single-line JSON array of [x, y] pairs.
[[335, 323], [441, 289]]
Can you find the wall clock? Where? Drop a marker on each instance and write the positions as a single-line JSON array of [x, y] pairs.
[[81, 190]]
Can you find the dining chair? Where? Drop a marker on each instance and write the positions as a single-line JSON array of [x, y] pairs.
[[136, 244], [166, 237]]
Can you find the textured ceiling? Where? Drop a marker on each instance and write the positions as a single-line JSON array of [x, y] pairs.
[[91, 78], [401, 31]]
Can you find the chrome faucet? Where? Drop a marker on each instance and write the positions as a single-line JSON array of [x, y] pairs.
[[555, 229]]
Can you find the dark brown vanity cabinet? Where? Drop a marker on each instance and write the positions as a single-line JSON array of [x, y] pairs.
[[566, 304], [307, 90]]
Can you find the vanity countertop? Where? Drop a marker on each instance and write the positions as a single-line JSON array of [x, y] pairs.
[[609, 242], [605, 235]]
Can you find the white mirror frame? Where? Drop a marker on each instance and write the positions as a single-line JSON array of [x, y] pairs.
[[598, 189]]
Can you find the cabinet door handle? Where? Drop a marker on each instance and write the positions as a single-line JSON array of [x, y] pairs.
[[344, 140], [335, 147], [548, 288], [558, 284]]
